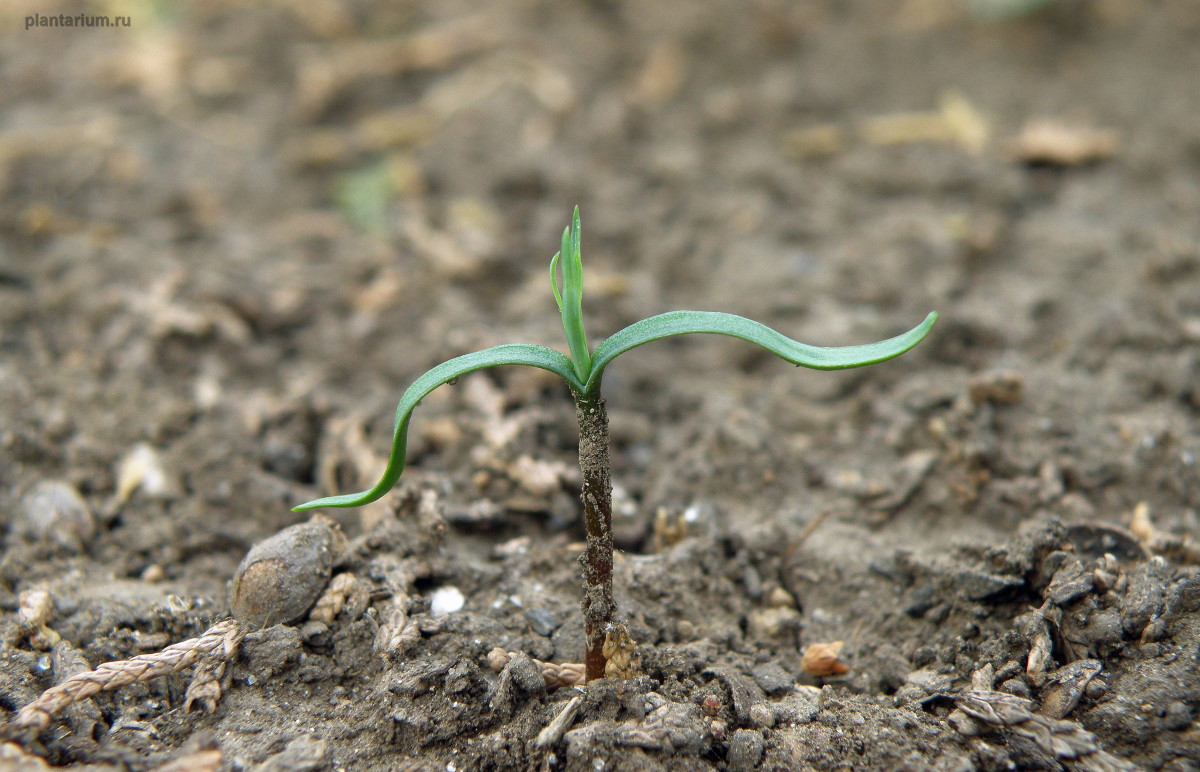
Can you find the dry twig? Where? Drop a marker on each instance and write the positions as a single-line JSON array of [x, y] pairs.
[[218, 642], [556, 676]]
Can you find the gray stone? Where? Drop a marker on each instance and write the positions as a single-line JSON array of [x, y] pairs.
[[53, 513], [799, 707], [746, 748], [541, 621]]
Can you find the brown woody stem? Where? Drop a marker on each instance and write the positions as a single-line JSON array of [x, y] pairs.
[[597, 559]]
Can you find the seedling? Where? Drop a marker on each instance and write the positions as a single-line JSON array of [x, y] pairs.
[[582, 371]]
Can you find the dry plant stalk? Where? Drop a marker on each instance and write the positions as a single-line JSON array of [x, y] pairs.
[[556, 676], [620, 653], [218, 642], [1182, 549], [33, 614]]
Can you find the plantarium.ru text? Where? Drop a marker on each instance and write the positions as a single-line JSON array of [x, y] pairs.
[[582, 371]]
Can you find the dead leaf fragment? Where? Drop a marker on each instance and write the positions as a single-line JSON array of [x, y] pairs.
[[821, 659], [142, 467], [1000, 387], [819, 141], [1055, 143], [662, 75], [955, 121]]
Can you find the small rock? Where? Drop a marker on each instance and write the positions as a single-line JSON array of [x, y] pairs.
[[272, 651], [525, 674], [541, 621], [153, 573], [1051, 142], [538, 478], [53, 512], [1092, 541], [1145, 599], [1069, 582], [772, 622], [446, 600], [799, 707], [1018, 687], [931, 679], [1178, 716], [921, 599], [314, 633], [746, 748], [281, 577], [780, 598], [303, 754], [1001, 387], [772, 678], [762, 715], [1103, 628], [979, 585]]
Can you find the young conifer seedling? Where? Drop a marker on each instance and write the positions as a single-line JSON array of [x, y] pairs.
[[582, 371]]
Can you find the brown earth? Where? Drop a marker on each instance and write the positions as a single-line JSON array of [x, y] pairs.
[[232, 234]]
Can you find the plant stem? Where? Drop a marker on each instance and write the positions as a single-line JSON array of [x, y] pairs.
[[597, 559]]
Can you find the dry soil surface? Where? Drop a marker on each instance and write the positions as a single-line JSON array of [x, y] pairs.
[[232, 234]]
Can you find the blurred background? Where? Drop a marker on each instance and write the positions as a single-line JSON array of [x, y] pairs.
[[235, 232]]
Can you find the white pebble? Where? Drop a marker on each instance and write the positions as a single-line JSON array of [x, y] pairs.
[[446, 600]]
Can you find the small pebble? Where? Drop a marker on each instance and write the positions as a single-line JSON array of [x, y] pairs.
[[1018, 687], [762, 715], [1178, 716], [313, 632], [541, 621], [35, 608], [772, 678], [772, 622], [53, 512], [282, 576], [780, 598], [746, 748], [799, 707], [1001, 387], [980, 585], [153, 573], [302, 754], [446, 600]]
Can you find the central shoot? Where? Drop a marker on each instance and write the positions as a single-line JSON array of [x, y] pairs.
[[582, 372]]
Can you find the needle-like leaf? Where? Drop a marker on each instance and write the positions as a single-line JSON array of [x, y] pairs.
[[554, 280], [508, 354], [691, 322], [571, 304]]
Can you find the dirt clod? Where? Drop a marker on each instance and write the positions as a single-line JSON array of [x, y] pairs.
[[232, 234]]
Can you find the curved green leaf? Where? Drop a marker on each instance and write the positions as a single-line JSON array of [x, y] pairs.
[[508, 354], [691, 322]]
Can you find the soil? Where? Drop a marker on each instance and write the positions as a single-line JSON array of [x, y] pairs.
[[232, 234]]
